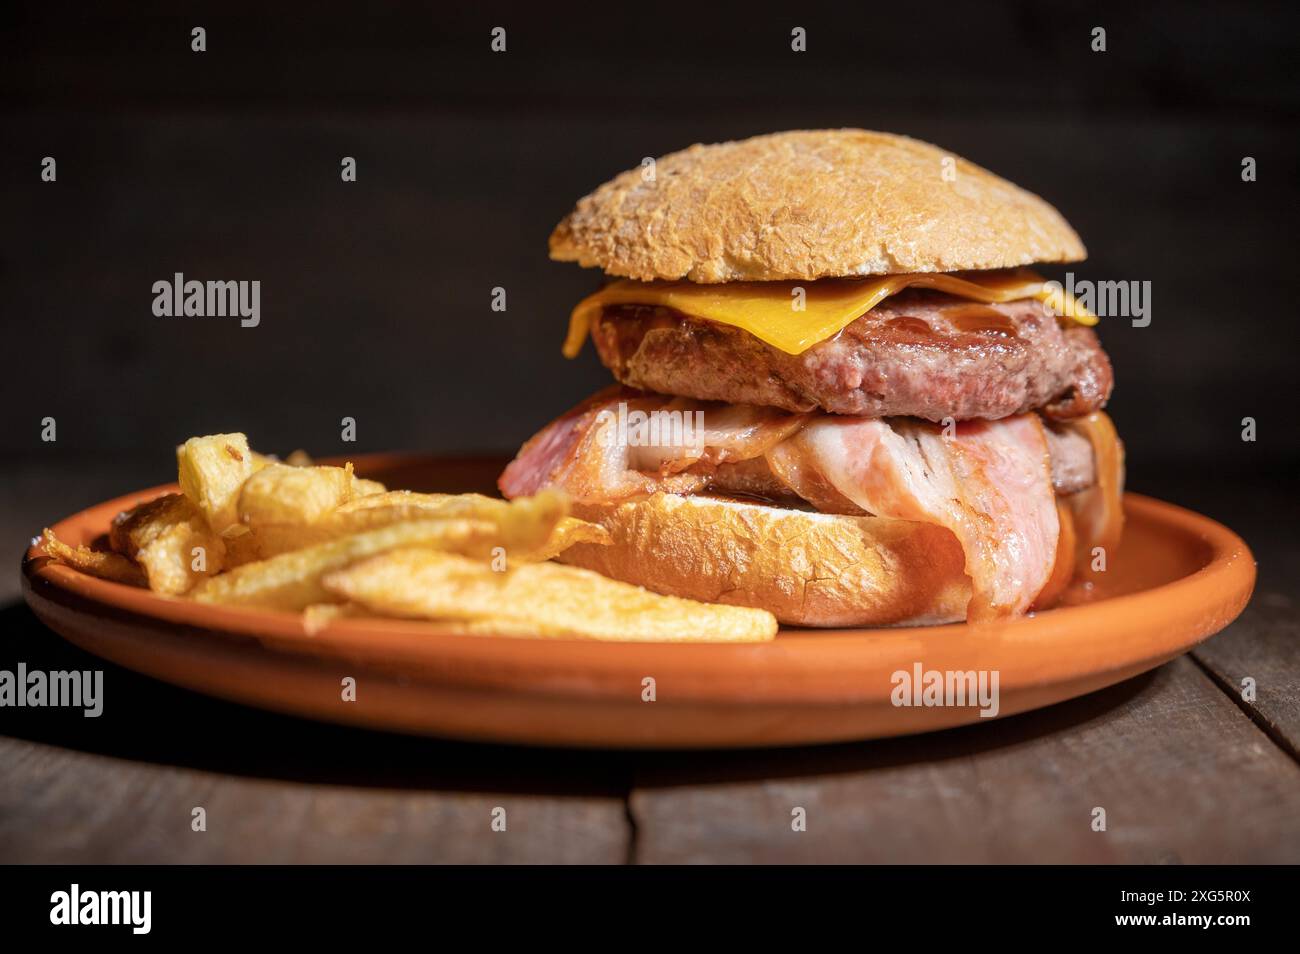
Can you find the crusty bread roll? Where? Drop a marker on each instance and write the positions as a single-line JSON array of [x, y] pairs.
[[808, 568], [809, 205]]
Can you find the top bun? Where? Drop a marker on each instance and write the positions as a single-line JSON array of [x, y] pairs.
[[809, 205]]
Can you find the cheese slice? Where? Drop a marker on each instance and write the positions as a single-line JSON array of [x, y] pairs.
[[771, 312]]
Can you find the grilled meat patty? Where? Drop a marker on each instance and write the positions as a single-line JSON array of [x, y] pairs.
[[917, 354]]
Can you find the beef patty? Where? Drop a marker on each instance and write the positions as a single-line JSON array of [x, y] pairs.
[[916, 354]]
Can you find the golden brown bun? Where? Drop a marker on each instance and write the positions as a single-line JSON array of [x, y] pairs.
[[807, 568], [808, 205]]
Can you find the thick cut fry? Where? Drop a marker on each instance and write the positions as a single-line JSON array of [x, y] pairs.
[[538, 599], [212, 470], [242, 549], [394, 498], [528, 528], [106, 566], [171, 540], [277, 538], [291, 581], [279, 494]]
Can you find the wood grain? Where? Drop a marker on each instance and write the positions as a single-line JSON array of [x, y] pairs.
[[1263, 645], [1184, 776], [59, 806], [120, 788]]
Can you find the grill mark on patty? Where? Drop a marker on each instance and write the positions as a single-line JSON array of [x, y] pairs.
[[918, 354]]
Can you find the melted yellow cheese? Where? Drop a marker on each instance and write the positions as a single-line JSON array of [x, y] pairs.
[[771, 312]]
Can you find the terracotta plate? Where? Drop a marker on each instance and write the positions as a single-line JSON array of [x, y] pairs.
[[1179, 578]]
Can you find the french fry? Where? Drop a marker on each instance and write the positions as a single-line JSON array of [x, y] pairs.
[[402, 498], [241, 549], [106, 566], [277, 538], [212, 470], [292, 581], [569, 531], [319, 615], [529, 528], [282, 495], [367, 488], [170, 539], [547, 600]]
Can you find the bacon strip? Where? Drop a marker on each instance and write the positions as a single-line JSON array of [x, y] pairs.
[[989, 483], [603, 450]]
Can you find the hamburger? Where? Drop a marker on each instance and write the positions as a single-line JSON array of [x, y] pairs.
[[843, 394]]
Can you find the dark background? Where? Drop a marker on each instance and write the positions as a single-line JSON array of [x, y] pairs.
[[375, 300], [375, 294]]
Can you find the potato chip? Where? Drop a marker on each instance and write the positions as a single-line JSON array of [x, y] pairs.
[[170, 539], [291, 580], [212, 470], [106, 566], [547, 600]]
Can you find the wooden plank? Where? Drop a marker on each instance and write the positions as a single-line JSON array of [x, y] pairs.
[[62, 806], [1264, 642], [120, 788], [1263, 645], [1183, 774]]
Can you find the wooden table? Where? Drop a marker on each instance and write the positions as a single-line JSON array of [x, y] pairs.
[[1186, 770]]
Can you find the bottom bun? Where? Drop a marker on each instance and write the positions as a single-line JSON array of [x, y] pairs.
[[807, 568]]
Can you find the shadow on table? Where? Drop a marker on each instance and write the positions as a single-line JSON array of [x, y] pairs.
[[150, 721]]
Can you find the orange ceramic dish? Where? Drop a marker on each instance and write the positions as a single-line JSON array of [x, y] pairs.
[[1178, 578]]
